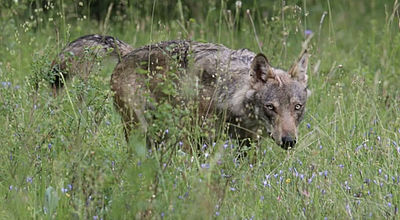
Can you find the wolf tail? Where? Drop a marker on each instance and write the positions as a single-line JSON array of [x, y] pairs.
[[79, 56]]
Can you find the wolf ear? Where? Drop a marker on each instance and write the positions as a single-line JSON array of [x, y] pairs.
[[299, 69], [260, 68]]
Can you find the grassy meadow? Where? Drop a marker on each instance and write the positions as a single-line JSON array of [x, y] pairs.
[[65, 157]]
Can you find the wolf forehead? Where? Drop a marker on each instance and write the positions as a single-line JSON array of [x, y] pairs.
[[282, 90]]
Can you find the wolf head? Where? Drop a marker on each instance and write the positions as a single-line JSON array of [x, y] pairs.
[[279, 98]]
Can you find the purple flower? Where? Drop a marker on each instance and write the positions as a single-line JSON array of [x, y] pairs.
[[380, 171], [64, 190], [10, 187], [308, 32], [205, 165], [217, 213], [389, 204], [262, 198], [49, 146], [6, 84], [95, 217], [308, 125], [29, 179]]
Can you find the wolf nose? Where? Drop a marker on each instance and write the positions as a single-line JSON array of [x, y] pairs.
[[287, 142]]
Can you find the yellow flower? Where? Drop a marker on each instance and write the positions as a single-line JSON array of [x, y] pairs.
[[288, 180]]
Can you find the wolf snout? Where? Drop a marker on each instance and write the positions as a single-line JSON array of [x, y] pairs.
[[288, 142]]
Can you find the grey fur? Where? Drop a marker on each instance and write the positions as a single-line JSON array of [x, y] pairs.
[[238, 84], [79, 56]]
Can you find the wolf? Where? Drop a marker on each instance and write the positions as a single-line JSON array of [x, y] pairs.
[[80, 56], [238, 85]]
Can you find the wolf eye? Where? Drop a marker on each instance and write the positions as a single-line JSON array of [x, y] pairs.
[[269, 107], [297, 107]]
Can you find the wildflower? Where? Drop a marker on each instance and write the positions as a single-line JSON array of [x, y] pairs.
[[238, 4], [320, 147], [180, 143], [6, 84], [29, 179], [205, 165], [341, 165], [380, 171], [288, 180], [233, 189], [49, 146], [311, 178], [166, 131], [162, 214], [10, 187], [262, 198], [389, 204], [64, 190], [95, 217], [308, 125], [216, 213], [301, 176], [308, 32], [299, 161]]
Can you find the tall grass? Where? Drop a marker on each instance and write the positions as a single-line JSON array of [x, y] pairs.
[[66, 157]]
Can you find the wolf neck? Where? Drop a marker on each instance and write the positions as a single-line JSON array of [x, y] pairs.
[[227, 71]]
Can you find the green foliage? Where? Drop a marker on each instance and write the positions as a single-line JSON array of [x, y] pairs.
[[66, 157]]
